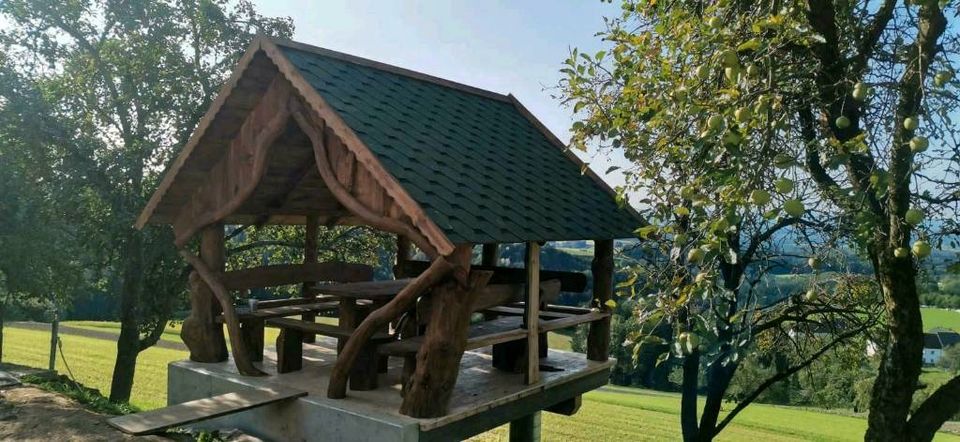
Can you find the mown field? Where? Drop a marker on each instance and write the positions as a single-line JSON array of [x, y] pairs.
[[613, 413], [939, 317]]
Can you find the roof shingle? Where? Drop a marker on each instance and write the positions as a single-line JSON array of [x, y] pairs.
[[478, 167]]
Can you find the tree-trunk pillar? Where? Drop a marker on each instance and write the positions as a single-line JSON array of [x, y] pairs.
[[310, 256], [200, 331], [526, 429], [598, 339], [427, 393]]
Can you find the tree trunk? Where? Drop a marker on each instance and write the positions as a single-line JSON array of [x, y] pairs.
[[128, 348], [718, 379], [688, 397], [901, 363], [128, 344], [427, 393]]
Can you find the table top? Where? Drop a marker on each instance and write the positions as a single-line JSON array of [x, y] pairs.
[[365, 290]]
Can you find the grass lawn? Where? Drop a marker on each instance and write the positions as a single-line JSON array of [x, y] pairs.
[[614, 413], [91, 361], [940, 317]]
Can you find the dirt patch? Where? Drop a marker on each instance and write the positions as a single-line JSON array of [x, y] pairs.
[[31, 414]]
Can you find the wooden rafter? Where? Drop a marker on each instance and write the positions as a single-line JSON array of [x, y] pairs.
[[234, 178], [324, 140]]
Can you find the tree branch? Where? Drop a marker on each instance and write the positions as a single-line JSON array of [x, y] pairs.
[[783, 375], [937, 409]]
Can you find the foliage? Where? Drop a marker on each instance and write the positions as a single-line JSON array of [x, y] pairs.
[[950, 360], [738, 118], [124, 85]]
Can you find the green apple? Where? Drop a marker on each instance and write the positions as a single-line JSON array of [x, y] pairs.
[[762, 106], [715, 122], [794, 208], [842, 122], [695, 255], [753, 70], [782, 161], [901, 252], [921, 249], [813, 262], [688, 342], [783, 185], [732, 138], [913, 217], [942, 78], [811, 296], [919, 144], [729, 59], [715, 22], [743, 114], [703, 71], [732, 73], [860, 91], [911, 123], [760, 197]]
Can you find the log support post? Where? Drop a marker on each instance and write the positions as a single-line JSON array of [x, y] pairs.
[[531, 314], [309, 257], [289, 350], [526, 429], [598, 338], [427, 393], [490, 255], [201, 333]]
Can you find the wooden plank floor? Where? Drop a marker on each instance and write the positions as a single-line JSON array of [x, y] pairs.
[[154, 421], [479, 387]]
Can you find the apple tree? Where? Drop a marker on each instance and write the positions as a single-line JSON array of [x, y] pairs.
[[748, 124]]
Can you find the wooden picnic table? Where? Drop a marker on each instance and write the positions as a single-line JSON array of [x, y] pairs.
[[372, 290]]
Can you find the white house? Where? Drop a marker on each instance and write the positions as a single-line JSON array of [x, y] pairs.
[[935, 342]]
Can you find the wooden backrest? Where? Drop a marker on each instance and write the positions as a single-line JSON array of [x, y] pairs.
[[501, 294], [574, 282], [284, 274]]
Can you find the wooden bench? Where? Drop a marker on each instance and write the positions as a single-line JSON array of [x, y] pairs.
[[364, 374], [252, 322], [500, 333]]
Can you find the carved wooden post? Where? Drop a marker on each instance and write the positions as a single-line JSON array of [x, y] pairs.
[[310, 256], [202, 334], [598, 339], [531, 313], [490, 255], [427, 393], [403, 255]]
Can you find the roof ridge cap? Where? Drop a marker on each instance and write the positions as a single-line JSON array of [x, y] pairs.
[[349, 58]]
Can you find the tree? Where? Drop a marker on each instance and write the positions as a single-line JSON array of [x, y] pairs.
[[38, 265], [130, 79], [734, 98]]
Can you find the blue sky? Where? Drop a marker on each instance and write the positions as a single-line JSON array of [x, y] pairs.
[[504, 46]]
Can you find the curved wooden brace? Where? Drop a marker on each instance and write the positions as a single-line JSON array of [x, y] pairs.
[[316, 103], [316, 130], [235, 177], [241, 356], [439, 268]]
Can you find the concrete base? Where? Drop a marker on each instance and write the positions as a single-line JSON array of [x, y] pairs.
[[483, 399]]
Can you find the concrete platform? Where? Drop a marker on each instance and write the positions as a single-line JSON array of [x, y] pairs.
[[483, 399]]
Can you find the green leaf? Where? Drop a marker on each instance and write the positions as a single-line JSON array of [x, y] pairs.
[[749, 45]]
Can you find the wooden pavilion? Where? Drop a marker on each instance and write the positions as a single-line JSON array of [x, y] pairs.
[[304, 135]]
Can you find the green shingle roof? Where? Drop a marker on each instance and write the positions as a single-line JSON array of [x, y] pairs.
[[476, 165]]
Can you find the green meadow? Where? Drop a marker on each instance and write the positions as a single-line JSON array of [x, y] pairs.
[[612, 413]]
